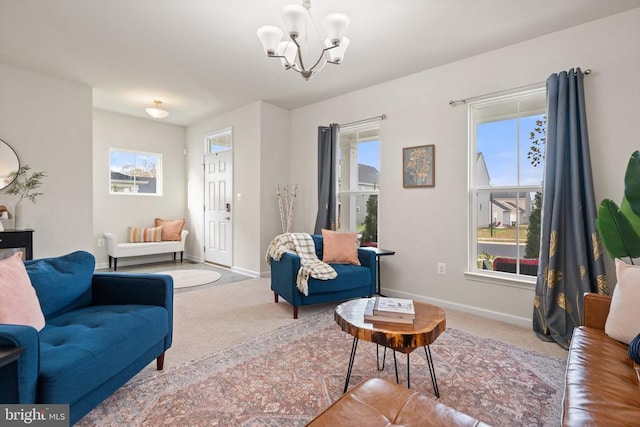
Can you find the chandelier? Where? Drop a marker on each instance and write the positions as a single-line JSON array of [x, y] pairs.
[[290, 51]]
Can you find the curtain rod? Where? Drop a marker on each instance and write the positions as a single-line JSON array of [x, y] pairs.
[[473, 98], [381, 117]]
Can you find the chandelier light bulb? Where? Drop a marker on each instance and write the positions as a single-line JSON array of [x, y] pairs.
[[335, 25]]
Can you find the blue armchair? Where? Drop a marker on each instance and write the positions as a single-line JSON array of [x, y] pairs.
[[101, 329], [353, 281]]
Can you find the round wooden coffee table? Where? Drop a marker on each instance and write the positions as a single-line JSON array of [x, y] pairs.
[[429, 323]]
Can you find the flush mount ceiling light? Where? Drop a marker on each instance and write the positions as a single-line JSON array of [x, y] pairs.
[[290, 51], [157, 112]]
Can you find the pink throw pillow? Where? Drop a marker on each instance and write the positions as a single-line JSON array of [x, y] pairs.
[[340, 247], [19, 303], [171, 229]]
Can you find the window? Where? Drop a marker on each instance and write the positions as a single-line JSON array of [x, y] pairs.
[[358, 160], [135, 172], [219, 141], [507, 136]]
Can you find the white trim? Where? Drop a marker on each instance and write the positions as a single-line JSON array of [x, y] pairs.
[[245, 271], [495, 315], [502, 279]]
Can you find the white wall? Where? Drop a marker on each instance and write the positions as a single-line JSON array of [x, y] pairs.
[[114, 213], [245, 207], [47, 121], [275, 128], [427, 226]]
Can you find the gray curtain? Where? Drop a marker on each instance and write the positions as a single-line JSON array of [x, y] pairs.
[[327, 144], [571, 260]]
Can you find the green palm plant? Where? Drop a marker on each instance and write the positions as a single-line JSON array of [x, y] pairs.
[[619, 226]]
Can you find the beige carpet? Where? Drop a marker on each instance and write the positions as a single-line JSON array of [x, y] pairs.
[[190, 278]]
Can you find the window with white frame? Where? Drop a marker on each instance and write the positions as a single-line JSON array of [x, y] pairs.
[[219, 141], [358, 175], [506, 158], [135, 172]]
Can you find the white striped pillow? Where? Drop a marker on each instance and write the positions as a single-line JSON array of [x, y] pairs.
[[140, 234]]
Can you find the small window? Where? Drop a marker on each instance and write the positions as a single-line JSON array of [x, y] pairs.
[[506, 149], [135, 172], [219, 141]]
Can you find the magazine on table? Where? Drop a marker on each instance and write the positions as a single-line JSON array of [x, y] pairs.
[[394, 307], [370, 316]]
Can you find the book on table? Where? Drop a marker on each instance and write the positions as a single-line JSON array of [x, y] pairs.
[[370, 316], [394, 307]]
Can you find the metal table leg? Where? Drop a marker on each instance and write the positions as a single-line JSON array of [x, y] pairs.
[[432, 370], [354, 346]]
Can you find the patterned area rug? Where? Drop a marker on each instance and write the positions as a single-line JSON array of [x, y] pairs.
[[286, 377]]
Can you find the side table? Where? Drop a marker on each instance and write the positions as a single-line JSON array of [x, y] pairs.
[[379, 253], [12, 239]]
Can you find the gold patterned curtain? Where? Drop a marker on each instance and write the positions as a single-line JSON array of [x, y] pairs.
[[571, 257]]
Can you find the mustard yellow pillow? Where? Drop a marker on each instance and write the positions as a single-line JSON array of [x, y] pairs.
[[340, 247], [19, 303], [171, 229]]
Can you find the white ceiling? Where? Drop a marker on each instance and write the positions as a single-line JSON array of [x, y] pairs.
[[202, 57]]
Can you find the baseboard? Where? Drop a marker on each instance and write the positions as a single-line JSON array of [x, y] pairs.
[[245, 271], [495, 315]]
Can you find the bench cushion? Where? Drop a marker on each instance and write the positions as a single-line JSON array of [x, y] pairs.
[[82, 349]]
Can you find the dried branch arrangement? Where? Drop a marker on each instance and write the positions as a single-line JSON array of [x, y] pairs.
[[286, 204]]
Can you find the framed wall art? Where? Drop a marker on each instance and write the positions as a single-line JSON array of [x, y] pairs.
[[419, 166]]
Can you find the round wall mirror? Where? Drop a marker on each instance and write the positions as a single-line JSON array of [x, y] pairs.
[[8, 163]]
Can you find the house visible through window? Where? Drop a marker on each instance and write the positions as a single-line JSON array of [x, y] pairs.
[[135, 172], [358, 160], [507, 141]]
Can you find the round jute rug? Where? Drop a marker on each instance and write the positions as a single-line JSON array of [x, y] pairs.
[[189, 278]]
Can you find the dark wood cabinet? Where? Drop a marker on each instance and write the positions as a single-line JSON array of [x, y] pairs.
[[16, 239]]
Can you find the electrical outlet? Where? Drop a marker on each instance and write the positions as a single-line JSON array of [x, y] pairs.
[[101, 242], [442, 268]]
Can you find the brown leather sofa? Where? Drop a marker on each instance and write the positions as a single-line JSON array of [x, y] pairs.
[[378, 402], [601, 383]]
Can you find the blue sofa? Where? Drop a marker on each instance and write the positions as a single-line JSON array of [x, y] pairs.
[[353, 281], [101, 330]]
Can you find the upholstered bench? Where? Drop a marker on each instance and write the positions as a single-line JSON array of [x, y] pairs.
[[378, 402], [117, 249]]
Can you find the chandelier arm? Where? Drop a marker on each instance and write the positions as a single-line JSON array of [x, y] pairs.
[[322, 56], [299, 49]]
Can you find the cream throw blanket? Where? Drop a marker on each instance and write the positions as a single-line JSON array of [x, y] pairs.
[[302, 245]]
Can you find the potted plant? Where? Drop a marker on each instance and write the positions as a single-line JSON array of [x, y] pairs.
[[25, 186], [619, 226]]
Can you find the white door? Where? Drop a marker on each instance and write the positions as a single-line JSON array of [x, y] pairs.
[[218, 211]]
